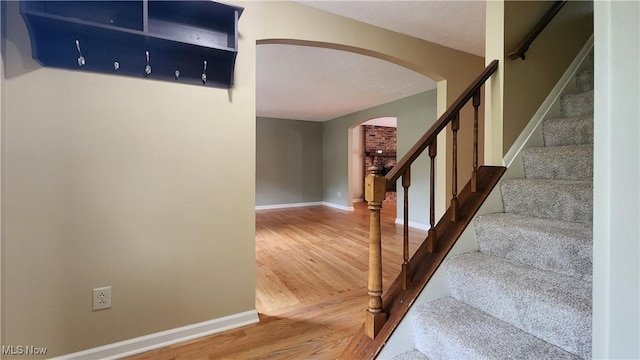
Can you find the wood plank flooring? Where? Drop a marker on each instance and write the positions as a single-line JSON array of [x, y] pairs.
[[311, 277]]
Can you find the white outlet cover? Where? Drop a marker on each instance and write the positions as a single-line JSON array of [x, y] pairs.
[[102, 298]]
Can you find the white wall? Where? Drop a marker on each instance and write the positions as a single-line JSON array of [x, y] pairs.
[[616, 235]]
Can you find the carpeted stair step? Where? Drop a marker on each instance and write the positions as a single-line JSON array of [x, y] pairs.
[[450, 329], [411, 355], [554, 245], [577, 104], [568, 131], [587, 63], [573, 162], [553, 307], [584, 80], [564, 200]]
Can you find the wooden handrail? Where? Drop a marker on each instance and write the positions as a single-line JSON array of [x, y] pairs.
[[430, 136], [523, 46]]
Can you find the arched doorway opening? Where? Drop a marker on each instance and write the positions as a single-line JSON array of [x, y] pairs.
[[371, 142]]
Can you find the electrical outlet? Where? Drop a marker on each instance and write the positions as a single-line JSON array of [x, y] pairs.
[[339, 194], [102, 298]]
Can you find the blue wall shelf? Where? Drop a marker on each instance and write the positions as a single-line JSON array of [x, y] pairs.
[[180, 41]]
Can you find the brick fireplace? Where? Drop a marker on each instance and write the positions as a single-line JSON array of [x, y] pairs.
[[380, 147]]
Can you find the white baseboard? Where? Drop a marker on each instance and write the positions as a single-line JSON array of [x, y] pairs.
[[165, 338], [295, 205], [339, 207], [358, 200], [541, 114], [413, 224], [291, 205]]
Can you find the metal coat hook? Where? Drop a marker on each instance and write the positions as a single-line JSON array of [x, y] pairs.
[[116, 66], [177, 74], [81, 60], [147, 69], [204, 73]]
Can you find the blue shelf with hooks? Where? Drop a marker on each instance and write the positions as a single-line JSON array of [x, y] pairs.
[[180, 41]]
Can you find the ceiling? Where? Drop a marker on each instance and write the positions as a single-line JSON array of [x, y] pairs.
[[317, 84]]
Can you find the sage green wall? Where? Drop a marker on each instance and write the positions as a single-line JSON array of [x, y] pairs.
[[415, 115], [288, 161]]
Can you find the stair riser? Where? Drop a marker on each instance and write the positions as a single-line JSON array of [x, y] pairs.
[[570, 131], [553, 308], [587, 64], [565, 201], [577, 104], [565, 248], [584, 80], [564, 163]]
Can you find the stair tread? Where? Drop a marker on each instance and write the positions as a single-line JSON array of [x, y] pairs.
[[567, 200], [553, 245], [567, 162], [548, 305], [411, 355], [560, 148], [450, 329]]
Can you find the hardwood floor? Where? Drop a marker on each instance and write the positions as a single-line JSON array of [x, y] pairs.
[[310, 287]]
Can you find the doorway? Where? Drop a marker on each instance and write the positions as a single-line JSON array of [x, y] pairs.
[[371, 142]]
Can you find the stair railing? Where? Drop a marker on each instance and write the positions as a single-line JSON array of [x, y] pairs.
[[523, 46], [377, 185]]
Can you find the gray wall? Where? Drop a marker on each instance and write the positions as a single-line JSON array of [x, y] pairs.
[[288, 161], [415, 115]]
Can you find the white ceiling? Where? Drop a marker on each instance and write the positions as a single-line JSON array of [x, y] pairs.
[[452, 23], [316, 84]]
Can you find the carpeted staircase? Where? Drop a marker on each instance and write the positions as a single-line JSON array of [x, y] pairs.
[[527, 293]]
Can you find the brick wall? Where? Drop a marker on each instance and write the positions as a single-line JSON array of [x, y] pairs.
[[380, 147], [376, 139]]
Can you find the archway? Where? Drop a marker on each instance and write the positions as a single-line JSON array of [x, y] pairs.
[[378, 149]]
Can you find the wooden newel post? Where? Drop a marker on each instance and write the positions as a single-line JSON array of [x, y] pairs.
[[375, 190]]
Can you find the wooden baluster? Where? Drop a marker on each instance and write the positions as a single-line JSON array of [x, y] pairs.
[[406, 182], [455, 126], [375, 190], [474, 174], [432, 240]]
